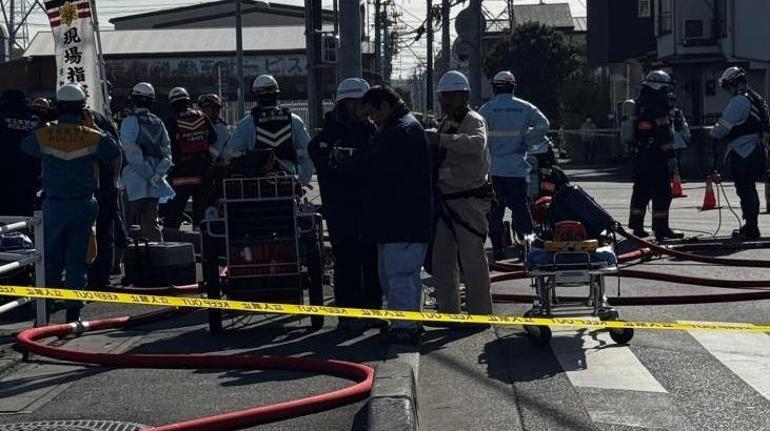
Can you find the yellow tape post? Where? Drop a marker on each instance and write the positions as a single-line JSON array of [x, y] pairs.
[[313, 310]]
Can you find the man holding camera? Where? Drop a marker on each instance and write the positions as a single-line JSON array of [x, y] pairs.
[[347, 129]]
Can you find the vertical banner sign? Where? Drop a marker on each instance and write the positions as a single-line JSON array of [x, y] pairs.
[[77, 60]]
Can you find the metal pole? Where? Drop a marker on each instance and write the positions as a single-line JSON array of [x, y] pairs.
[[475, 57], [350, 39], [377, 39], [239, 58], [102, 65], [429, 60], [313, 45], [11, 33], [446, 43], [40, 304]]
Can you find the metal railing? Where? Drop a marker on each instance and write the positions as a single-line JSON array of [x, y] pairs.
[[34, 257]]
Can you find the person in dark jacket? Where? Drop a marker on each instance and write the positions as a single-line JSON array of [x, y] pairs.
[[346, 130], [17, 168], [397, 207]]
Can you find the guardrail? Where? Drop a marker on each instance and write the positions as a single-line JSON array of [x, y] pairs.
[[34, 257]]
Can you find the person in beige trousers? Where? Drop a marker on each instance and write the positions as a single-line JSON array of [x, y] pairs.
[[462, 162]]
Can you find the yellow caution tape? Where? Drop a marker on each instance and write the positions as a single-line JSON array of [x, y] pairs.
[[313, 310]]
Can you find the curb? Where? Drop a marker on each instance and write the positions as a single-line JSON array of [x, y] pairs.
[[392, 405]]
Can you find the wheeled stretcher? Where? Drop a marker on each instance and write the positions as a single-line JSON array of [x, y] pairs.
[[573, 267]]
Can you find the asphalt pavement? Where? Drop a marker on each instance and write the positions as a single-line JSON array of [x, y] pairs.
[[487, 380]]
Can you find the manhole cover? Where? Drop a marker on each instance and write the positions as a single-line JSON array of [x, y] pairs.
[[79, 425]]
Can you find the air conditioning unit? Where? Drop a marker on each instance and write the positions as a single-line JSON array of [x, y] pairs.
[[696, 32]]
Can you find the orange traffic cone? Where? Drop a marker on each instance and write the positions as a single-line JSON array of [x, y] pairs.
[[709, 200], [676, 186]]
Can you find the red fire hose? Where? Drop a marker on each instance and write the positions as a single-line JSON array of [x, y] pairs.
[[361, 374], [695, 257]]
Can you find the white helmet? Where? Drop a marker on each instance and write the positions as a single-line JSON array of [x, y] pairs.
[[264, 84], [657, 79], [71, 93], [504, 79], [178, 93], [453, 81], [731, 76], [143, 89], [352, 88]]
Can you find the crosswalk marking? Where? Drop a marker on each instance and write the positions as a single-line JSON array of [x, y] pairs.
[[591, 359], [747, 355]]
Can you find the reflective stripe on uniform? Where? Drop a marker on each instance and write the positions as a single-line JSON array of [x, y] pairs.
[[504, 133], [659, 214]]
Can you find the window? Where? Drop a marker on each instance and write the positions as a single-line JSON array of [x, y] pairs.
[[693, 29], [645, 8], [664, 16]]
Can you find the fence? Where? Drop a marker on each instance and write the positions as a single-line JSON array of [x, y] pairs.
[[25, 258], [232, 116]]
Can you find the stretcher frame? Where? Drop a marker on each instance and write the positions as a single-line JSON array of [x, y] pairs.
[[34, 257]]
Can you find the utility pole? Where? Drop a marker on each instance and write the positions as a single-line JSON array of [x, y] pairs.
[[511, 17], [350, 39], [377, 39], [446, 49], [387, 51], [475, 57], [429, 71], [313, 44], [239, 58]]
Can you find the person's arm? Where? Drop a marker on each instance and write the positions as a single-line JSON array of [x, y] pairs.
[[537, 128], [305, 168], [129, 131], [685, 130], [165, 151], [736, 112], [241, 141], [471, 139], [30, 145], [223, 135], [108, 149]]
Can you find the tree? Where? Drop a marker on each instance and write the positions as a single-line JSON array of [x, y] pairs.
[[542, 61]]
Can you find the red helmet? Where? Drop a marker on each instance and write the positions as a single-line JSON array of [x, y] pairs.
[[540, 208], [210, 100]]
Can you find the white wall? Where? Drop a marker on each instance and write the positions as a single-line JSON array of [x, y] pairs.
[[752, 29]]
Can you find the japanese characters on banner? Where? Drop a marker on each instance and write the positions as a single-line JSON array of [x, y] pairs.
[[77, 60]]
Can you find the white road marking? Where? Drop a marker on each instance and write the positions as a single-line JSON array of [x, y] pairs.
[[592, 360], [746, 354]]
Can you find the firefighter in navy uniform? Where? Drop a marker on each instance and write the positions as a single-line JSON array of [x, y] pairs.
[[270, 139], [654, 157], [19, 173], [192, 147], [743, 125]]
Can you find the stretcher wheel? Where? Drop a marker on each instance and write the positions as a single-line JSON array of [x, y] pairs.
[[537, 335], [621, 335]]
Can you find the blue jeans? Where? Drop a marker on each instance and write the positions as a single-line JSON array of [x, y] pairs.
[[399, 269], [511, 192]]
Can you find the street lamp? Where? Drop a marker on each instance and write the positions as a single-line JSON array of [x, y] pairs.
[[262, 4]]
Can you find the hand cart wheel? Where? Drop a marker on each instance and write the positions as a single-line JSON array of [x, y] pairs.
[[537, 335]]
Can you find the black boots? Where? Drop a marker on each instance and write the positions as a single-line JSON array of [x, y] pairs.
[[747, 232]]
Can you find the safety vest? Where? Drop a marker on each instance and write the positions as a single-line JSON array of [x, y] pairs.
[[192, 133], [756, 122], [274, 132], [150, 138], [653, 131]]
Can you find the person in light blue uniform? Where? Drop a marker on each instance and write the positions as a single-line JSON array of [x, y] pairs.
[[682, 134], [69, 151], [742, 125], [515, 126], [270, 139], [147, 151]]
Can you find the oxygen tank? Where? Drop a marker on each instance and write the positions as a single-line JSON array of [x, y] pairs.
[[627, 121]]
